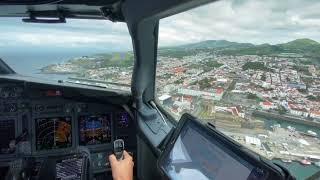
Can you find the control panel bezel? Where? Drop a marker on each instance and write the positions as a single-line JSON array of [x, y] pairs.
[[46, 114]]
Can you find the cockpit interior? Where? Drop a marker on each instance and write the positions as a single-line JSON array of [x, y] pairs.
[[63, 130]]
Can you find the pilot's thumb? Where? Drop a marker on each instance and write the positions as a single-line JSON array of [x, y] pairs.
[[112, 159]]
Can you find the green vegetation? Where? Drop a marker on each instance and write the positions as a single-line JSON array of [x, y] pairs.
[[264, 49], [263, 77], [215, 44], [176, 52], [195, 66], [205, 83], [313, 98], [304, 91], [166, 76], [118, 60], [212, 64], [307, 80], [281, 110], [206, 66], [255, 66], [298, 48], [104, 60], [179, 81], [254, 97], [302, 69], [231, 86], [305, 47], [307, 62], [84, 62]]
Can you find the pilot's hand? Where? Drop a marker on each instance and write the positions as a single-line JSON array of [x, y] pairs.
[[122, 169]]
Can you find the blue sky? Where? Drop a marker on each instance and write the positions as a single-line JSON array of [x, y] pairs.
[[254, 21]]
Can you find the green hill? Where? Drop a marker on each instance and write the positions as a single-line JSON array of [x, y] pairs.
[[215, 44], [307, 48], [304, 47]]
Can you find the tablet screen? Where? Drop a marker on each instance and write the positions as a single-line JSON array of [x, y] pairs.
[[197, 155]]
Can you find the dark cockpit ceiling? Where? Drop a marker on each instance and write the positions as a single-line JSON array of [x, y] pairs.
[[114, 10], [97, 9]]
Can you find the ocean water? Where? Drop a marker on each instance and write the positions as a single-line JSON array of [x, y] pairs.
[[298, 170], [30, 62], [285, 124]]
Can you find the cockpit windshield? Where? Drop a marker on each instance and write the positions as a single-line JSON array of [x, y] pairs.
[[252, 69], [91, 52]]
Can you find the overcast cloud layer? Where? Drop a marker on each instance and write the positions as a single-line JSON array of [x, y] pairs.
[[254, 21]]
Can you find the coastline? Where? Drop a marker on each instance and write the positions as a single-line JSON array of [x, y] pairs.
[[298, 120]]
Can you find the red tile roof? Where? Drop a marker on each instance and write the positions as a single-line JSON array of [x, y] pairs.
[[219, 90], [267, 103]]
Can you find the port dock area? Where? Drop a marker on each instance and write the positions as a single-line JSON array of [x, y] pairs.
[[280, 143], [295, 119]]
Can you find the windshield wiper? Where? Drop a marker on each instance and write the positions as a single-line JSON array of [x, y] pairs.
[[5, 68]]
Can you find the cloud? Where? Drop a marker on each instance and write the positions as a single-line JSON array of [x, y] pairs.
[[75, 33], [66, 38], [254, 21]]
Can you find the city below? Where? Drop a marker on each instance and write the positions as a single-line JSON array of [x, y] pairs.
[[245, 90]]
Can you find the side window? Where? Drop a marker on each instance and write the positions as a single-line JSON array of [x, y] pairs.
[[252, 69]]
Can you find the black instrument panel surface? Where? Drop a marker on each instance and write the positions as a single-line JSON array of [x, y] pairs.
[[39, 120], [59, 119], [7, 134]]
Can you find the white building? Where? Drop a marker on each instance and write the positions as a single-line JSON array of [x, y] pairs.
[[253, 141], [217, 95], [315, 114], [165, 99]]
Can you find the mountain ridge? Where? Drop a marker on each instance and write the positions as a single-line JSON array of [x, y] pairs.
[[304, 47], [223, 43], [215, 44]]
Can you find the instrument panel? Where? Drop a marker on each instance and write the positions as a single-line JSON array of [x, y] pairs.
[[53, 133], [95, 129], [42, 121]]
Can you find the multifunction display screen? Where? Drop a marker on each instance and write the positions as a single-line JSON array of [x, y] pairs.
[[123, 120], [95, 129], [53, 133]]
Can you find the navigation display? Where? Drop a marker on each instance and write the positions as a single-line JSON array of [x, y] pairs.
[[123, 120], [53, 133], [196, 155], [95, 129]]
